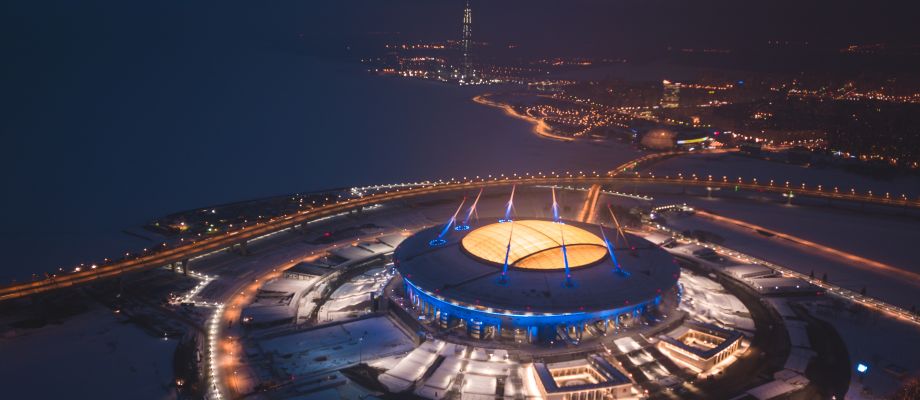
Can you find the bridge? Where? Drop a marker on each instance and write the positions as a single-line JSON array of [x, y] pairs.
[[184, 252]]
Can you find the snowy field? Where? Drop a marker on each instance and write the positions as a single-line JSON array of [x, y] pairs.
[[336, 346], [884, 238], [346, 300], [707, 301], [804, 260], [878, 341], [89, 356]]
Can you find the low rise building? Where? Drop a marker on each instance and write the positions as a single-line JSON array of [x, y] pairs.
[[591, 378], [699, 345]]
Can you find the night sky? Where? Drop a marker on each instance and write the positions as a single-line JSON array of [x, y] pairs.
[[115, 111]]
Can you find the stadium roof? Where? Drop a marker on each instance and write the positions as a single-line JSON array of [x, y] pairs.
[[534, 244]]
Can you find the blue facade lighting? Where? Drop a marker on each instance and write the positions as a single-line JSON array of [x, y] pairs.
[[537, 324]]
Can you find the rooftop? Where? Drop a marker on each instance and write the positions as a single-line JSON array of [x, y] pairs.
[[534, 244]]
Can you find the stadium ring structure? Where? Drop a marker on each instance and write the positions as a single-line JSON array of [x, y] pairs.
[[534, 280]]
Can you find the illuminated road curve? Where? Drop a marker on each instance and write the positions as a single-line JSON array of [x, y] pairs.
[[228, 239]]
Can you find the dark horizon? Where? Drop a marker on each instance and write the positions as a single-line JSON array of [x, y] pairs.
[[99, 95], [642, 199]]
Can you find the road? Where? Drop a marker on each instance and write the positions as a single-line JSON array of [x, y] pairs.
[[228, 353], [227, 239], [587, 213]]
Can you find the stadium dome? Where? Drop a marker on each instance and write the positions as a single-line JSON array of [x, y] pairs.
[[534, 244], [659, 139], [459, 282]]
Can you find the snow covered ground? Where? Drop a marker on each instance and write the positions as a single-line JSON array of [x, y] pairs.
[[884, 238], [879, 236], [884, 344], [840, 272], [89, 356], [336, 346], [346, 299], [707, 301]]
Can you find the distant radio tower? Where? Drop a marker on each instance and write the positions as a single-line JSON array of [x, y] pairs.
[[466, 66]]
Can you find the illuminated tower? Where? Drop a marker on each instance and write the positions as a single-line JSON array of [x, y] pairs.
[[466, 38], [670, 98]]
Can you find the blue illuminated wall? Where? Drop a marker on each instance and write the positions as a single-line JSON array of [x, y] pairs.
[[538, 324]]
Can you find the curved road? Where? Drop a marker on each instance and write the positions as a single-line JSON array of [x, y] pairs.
[[187, 251]]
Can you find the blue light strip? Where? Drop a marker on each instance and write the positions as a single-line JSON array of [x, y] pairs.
[[555, 207], [466, 221], [565, 259], [507, 253], [434, 299], [510, 205], [440, 239], [533, 318], [613, 257]]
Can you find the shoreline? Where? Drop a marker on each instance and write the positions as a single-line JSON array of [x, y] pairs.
[[540, 128]]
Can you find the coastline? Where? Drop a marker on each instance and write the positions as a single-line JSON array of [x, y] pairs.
[[540, 128]]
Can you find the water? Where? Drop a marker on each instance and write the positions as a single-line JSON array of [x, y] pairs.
[[114, 128]]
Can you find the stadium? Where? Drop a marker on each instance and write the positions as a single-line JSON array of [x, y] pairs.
[[535, 280]]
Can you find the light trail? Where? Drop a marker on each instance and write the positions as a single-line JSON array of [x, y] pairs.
[[859, 262]]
